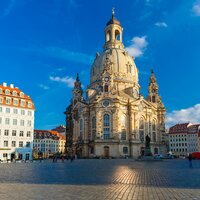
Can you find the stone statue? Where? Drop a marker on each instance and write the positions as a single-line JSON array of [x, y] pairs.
[[147, 143]]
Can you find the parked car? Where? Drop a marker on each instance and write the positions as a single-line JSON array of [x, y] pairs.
[[158, 156], [196, 155]]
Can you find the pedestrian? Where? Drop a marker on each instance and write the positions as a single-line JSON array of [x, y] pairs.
[[72, 158], [63, 159], [190, 160]]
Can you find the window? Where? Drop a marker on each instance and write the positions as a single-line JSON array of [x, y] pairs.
[[125, 150], [117, 35], [14, 132], [28, 134], [20, 144], [0, 91], [8, 100], [5, 143], [15, 122], [14, 93], [29, 113], [15, 102], [13, 144], [28, 144], [21, 133], [141, 129], [29, 123], [7, 121], [106, 88], [21, 122], [108, 36], [29, 104], [94, 122], [123, 135], [5, 155], [81, 128], [1, 100], [106, 124], [153, 99], [21, 94], [23, 103], [0, 120], [15, 111], [7, 92], [0, 109], [154, 130], [22, 112], [6, 132], [7, 110]]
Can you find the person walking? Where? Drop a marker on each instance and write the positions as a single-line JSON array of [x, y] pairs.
[[190, 160]]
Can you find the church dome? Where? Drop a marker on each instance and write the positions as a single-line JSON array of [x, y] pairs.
[[122, 65]]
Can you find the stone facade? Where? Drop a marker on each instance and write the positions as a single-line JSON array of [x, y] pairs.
[[114, 118]]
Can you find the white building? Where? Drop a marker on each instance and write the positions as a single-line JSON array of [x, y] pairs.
[[183, 138], [16, 123], [48, 142]]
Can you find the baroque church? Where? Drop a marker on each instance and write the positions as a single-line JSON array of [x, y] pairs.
[[114, 119]]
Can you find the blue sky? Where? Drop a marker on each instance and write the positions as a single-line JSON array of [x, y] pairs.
[[43, 44]]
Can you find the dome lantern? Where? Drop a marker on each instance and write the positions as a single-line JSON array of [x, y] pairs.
[[113, 33]]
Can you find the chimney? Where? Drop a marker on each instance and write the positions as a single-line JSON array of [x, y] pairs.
[[4, 84], [11, 85]]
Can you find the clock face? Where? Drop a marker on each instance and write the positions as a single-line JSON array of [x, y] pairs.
[[135, 93]]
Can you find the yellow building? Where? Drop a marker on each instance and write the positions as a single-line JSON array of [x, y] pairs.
[[115, 118]]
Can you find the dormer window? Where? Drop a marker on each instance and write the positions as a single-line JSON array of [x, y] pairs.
[[21, 94], [29, 104], [7, 92], [14, 93]]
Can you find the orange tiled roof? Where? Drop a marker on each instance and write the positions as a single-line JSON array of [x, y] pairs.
[[41, 134], [13, 96]]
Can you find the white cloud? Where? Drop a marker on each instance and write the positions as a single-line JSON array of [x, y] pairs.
[[161, 24], [191, 114], [44, 87], [67, 80], [196, 8], [137, 47]]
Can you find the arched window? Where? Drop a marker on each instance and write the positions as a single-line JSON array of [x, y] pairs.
[[154, 131], [153, 99], [94, 122], [108, 36], [106, 126], [93, 128], [117, 35], [81, 128], [106, 88], [141, 129]]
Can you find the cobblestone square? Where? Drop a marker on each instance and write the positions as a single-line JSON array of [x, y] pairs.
[[101, 179]]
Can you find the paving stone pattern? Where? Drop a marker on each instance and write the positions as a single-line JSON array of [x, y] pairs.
[[101, 179]]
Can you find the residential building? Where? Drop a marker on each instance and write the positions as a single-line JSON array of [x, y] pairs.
[[48, 142], [114, 118], [183, 138], [16, 123]]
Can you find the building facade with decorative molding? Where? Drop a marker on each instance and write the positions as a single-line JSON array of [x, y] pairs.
[[114, 118], [16, 123]]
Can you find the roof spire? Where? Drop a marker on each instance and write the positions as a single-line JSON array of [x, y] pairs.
[[77, 77], [113, 12]]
